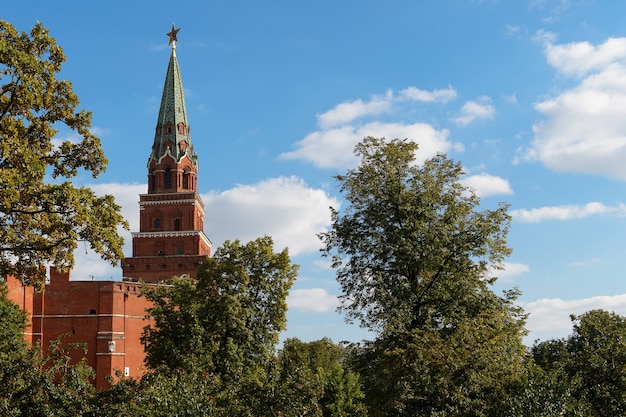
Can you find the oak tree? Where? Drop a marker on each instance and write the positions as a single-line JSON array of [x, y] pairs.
[[42, 214]]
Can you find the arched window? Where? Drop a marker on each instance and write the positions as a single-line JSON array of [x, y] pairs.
[[168, 178], [157, 223], [176, 224], [185, 180]]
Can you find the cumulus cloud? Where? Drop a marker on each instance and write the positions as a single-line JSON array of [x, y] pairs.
[[334, 148], [579, 58], [566, 212], [349, 111], [508, 270], [486, 184], [285, 208], [316, 300], [583, 127], [550, 317], [346, 124], [474, 110]]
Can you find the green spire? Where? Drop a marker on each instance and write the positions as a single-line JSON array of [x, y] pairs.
[[172, 129]]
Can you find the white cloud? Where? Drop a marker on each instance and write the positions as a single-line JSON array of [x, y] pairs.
[[549, 317], [87, 263], [349, 111], [508, 270], [284, 208], [340, 128], [474, 110], [512, 269], [579, 58], [334, 148], [316, 300], [566, 212], [584, 129], [441, 95], [486, 184]]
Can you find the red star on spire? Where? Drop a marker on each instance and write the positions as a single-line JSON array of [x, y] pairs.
[[173, 34]]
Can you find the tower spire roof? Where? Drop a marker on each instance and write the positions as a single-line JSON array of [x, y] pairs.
[[172, 135]]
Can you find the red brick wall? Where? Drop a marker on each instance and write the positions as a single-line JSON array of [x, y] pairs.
[[106, 316]]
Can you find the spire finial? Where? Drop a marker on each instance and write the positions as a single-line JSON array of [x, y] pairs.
[[173, 36]]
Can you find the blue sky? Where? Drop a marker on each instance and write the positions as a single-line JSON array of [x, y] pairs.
[[529, 95]]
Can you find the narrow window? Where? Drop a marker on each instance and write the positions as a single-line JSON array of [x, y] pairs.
[[185, 180], [168, 178], [177, 224], [157, 223]]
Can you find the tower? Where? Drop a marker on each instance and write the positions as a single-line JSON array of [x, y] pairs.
[[171, 239]]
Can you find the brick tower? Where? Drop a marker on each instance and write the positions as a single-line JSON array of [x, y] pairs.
[[171, 239]]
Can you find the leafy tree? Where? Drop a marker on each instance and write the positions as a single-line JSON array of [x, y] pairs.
[[592, 359], [42, 215], [168, 394], [546, 393], [318, 369], [227, 322], [413, 254]]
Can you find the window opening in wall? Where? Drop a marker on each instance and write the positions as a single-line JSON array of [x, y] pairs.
[[185, 180], [179, 250], [92, 311], [168, 178], [176, 224], [157, 223]]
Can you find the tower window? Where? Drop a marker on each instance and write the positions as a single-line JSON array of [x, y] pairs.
[[185, 180], [157, 223], [168, 178], [176, 224]]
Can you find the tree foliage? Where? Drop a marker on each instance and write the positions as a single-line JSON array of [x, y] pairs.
[[592, 360], [42, 214], [411, 250], [228, 321], [315, 373], [413, 254]]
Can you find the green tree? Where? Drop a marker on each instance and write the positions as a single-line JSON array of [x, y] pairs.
[[227, 322], [413, 255], [320, 377], [42, 215], [593, 360], [168, 394]]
